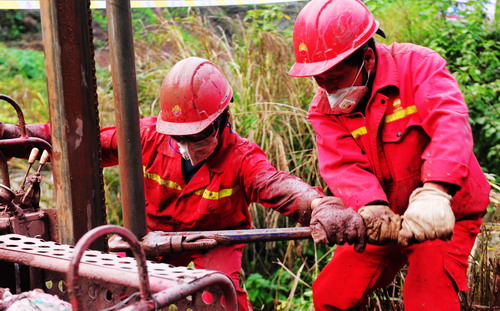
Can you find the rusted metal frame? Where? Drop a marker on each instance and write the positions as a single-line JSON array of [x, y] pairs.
[[127, 115], [106, 269], [20, 115], [35, 141], [72, 276], [4, 169], [74, 120], [168, 296], [163, 298]]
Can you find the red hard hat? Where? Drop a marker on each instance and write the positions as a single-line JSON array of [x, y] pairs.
[[327, 31], [193, 94]]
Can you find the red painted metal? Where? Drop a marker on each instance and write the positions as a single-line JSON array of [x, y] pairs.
[[23, 140], [146, 302]]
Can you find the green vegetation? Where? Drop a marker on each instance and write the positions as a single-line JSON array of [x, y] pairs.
[[252, 45]]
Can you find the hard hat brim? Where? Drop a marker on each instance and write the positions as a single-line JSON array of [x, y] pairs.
[[317, 68], [185, 128]]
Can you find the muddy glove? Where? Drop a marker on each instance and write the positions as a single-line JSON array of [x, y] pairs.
[[429, 216], [382, 224], [333, 223]]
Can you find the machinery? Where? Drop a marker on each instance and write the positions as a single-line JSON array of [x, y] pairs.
[[31, 258]]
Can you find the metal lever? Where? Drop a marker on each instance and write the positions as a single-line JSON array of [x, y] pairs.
[[33, 155], [43, 160]]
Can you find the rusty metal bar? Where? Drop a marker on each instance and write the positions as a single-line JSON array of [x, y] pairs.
[[4, 169], [168, 296], [23, 141], [20, 115], [248, 235], [127, 115], [146, 303], [71, 85]]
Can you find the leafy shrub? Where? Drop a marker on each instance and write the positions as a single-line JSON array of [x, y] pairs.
[[472, 50], [22, 76]]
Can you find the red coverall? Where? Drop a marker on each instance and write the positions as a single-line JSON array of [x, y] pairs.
[[216, 198], [415, 129]]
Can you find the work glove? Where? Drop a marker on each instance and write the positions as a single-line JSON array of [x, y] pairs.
[[382, 224], [429, 216], [333, 223]]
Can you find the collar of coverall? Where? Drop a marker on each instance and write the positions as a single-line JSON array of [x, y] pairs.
[[216, 161], [386, 73]]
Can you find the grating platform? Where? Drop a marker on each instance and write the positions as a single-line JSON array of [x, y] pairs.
[[111, 269]]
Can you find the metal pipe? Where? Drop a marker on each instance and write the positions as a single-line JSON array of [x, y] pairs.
[[24, 141], [20, 115], [4, 168], [247, 235], [72, 277], [127, 115], [171, 295]]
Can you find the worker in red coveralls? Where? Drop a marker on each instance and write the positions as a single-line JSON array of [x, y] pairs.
[[200, 175], [393, 139]]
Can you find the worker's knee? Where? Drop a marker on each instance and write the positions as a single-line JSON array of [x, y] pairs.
[[326, 299]]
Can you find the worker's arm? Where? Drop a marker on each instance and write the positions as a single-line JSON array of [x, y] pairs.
[[347, 171], [344, 166], [275, 189], [330, 221], [445, 119]]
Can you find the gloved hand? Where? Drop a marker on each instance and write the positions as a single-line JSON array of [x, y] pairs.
[[382, 224], [333, 223], [429, 216]]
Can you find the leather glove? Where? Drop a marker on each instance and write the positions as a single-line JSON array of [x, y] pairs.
[[333, 223], [382, 224], [429, 216]]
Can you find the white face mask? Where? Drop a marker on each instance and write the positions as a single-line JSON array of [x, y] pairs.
[[200, 150], [345, 100]]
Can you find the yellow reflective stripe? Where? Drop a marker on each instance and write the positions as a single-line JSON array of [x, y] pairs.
[[163, 182], [358, 132], [400, 114], [206, 194], [212, 195]]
